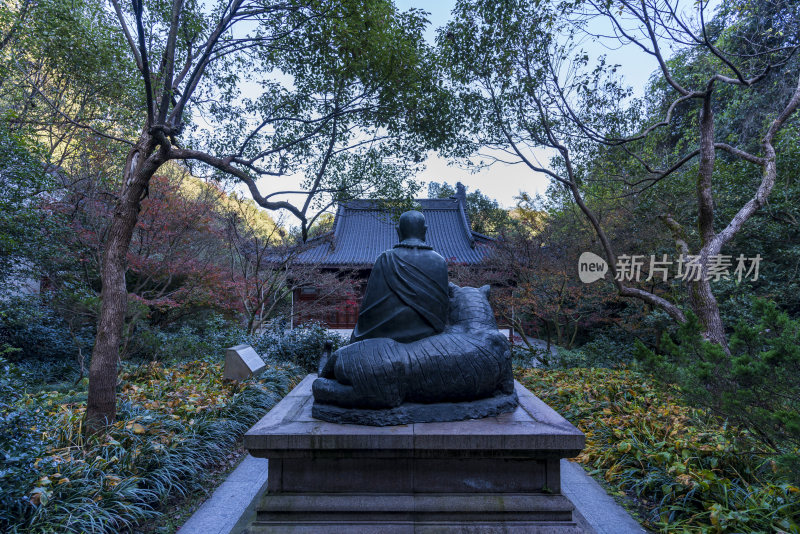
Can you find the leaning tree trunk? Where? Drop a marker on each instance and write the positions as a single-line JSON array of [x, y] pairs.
[[101, 406], [701, 298], [704, 305]]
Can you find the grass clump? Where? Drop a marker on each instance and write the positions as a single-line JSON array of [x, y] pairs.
[[174, 425], [689, 471]]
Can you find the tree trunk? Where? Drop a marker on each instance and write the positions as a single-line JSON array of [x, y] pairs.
[[547, 333], [574, 336], [101, 406], [701, 298], [704, 305]]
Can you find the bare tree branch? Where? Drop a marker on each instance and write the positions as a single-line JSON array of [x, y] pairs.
[[767, 178], [128, 37]]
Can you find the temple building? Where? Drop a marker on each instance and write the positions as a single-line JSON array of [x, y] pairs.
[[362, 229]]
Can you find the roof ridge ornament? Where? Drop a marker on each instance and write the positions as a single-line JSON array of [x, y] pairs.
[[461, 197]]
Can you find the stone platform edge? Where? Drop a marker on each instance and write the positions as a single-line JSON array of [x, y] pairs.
[[288, 430]]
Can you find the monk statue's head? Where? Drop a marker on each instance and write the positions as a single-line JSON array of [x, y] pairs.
[[412, 227]]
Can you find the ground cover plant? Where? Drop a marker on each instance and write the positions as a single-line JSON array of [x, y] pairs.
[[176, 424], [690, 472]]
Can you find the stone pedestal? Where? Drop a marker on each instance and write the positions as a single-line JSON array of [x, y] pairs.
[[491, 475]]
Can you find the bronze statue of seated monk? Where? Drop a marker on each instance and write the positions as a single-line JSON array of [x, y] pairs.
[[391, 374], [406, 297]]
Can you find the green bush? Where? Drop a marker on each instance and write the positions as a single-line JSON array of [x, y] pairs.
[[19, 447], [523, 357], [43, 341], [602, 351], [39, 332], [208, 340], [192, 340], [301, 346], [755, 387]]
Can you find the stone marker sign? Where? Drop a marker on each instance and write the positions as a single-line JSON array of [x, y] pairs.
[[242, 362]]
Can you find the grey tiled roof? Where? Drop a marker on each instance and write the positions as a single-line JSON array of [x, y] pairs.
[[361, 231]]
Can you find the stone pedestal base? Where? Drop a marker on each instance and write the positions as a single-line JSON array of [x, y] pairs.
[[497, 474]]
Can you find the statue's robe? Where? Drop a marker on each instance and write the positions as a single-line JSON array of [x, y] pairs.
[[406, 297], [470, 360]]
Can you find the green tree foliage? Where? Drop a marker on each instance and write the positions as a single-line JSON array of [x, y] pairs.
[[332, 92], [68, 83], [323, 225], [754, 387], [23, 186], [743, 28], [526, 82]]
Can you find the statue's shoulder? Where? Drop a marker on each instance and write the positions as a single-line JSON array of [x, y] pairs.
[[439, 256], [386, 254], [434, 256]]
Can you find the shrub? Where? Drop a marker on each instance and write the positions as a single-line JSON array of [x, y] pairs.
[[535, 355], [208, 340], [756, 386], [301, 346], [193, 340], [39, 332], [49, 374], [19, 447], [602, 351], [689, 471]]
